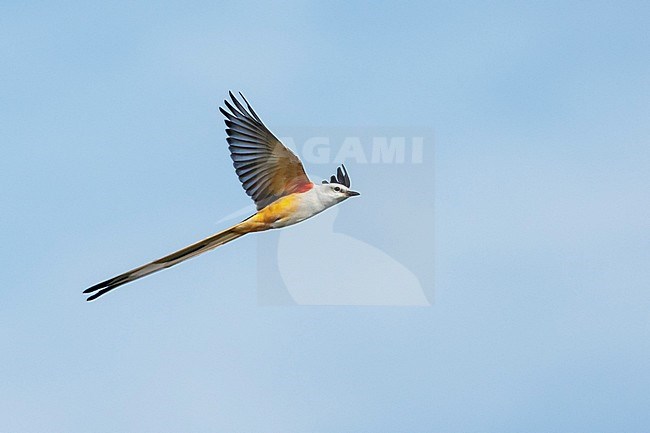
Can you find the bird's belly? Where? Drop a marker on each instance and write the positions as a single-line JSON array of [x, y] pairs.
[[284, 212], [293, 209], [293, 218]]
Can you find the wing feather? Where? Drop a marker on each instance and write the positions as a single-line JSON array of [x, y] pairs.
[[266, 168]]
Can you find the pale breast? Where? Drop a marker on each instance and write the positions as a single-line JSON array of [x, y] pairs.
[[285, 211]]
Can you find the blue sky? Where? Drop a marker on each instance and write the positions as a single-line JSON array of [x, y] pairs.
[[114, 154]]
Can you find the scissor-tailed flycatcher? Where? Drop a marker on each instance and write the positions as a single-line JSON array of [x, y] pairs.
[[272, 176]]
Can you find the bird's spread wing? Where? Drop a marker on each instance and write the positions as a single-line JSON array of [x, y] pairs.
[[266, 168]]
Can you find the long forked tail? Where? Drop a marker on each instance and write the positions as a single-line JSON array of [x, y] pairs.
[[172, 259]]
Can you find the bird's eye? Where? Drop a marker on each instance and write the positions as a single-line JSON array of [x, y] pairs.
[[336, 188]]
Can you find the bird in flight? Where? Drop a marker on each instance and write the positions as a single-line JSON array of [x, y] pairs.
[[271, 174]]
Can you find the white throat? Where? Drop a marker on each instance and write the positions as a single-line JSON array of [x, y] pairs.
[[323, 194]]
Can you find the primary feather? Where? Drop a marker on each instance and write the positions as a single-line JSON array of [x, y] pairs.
[[266, 168]]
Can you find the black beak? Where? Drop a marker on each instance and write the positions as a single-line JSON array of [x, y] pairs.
[[352, 193]]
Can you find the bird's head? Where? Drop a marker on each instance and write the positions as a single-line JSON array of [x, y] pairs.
[[338, 187], [339, 192]]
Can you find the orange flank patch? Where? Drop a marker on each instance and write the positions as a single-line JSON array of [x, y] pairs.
[[282, 208], [304, 187]]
